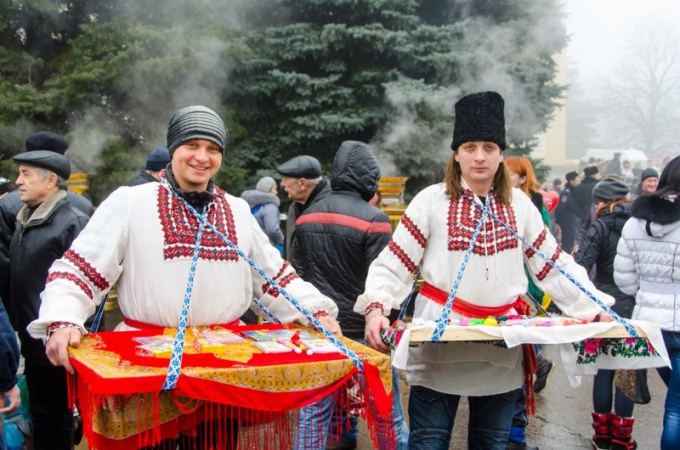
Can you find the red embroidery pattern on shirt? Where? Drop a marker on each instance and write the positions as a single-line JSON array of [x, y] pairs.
[[463, 218], [548, 267], [537, 243], [414, 230], [180, 228], [86, 269], [285, 281], [403, 257], [284, 266], [73, 278]]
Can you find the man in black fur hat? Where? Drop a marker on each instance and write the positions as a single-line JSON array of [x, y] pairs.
[[435, 236]]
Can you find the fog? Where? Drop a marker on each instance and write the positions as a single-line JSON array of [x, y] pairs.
[[624, 67]]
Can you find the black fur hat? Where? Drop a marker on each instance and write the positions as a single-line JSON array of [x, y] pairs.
[[479, 117]]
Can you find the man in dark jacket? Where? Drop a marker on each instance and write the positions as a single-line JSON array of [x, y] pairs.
[[11, 203], [583, 194], [567, 213], [337, 238], [304, 185], [46, 226], [157, 160]]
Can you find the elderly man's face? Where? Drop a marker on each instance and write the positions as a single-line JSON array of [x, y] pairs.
[[34, 188], [298, 189]]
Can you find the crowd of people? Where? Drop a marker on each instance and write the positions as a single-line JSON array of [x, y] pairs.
[[347, 267]]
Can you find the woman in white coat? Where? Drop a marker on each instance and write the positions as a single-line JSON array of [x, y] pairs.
[[647, 265]]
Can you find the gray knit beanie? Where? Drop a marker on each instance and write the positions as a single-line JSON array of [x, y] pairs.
[[610, 189], [649, 172], [196, 122], [265, 184]]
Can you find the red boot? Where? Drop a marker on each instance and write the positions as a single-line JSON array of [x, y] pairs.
[[602, 439], [622, 430]]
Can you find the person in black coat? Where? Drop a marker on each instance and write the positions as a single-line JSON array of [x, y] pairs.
[[11, 203], [337, 238], [598, 250], [157, 160], [46, 227]]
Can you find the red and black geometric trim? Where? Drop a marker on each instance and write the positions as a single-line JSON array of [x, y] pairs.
[[462, 220], [284, 266], [414, 230], [73, 278], [285, 281], [402, 256], [548, 267], [86, 269], [537, 243], [180, 228]]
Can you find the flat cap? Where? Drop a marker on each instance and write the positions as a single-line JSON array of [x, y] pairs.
[[303, 166], [46, 159], [46, 140]]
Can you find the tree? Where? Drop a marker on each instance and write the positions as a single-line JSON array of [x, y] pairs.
[[639, 102], [388, 72]]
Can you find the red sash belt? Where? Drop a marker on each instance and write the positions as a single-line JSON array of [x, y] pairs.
[[475, 311], [467, 309], [147, 326]]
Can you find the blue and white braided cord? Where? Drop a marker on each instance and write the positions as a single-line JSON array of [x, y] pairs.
[[178, 345], [443, 320], [337, 342], [627, 325], [266, 310]]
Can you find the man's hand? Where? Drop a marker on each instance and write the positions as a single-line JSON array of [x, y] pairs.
[[604, 317], [374, 325], [331, 325], [14, 396], [58, 344]]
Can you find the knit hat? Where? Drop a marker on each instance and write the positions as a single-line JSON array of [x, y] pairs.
[[479, 117], [46, 140], [265, 184], [610, 189], [590, 170], [649, 172], [45, 159], [571, 175], [303, 166], [158, 159], [196, 122]]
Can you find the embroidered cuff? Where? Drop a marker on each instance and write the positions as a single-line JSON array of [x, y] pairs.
[[52, 328], [373, 307], [321, 313]]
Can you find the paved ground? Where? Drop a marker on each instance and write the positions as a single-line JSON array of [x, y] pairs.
[[563, 419]]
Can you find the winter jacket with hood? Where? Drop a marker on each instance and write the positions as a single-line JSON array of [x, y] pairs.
[[598, 249], [42, 236], [265, 208], [647, 263], [338, 237]]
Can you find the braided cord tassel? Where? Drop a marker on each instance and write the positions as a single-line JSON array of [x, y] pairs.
[[630, 328], [178, 345], [358, 363], [443, 320]]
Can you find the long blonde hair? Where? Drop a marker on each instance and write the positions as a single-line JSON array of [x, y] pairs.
[[502, 190]]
